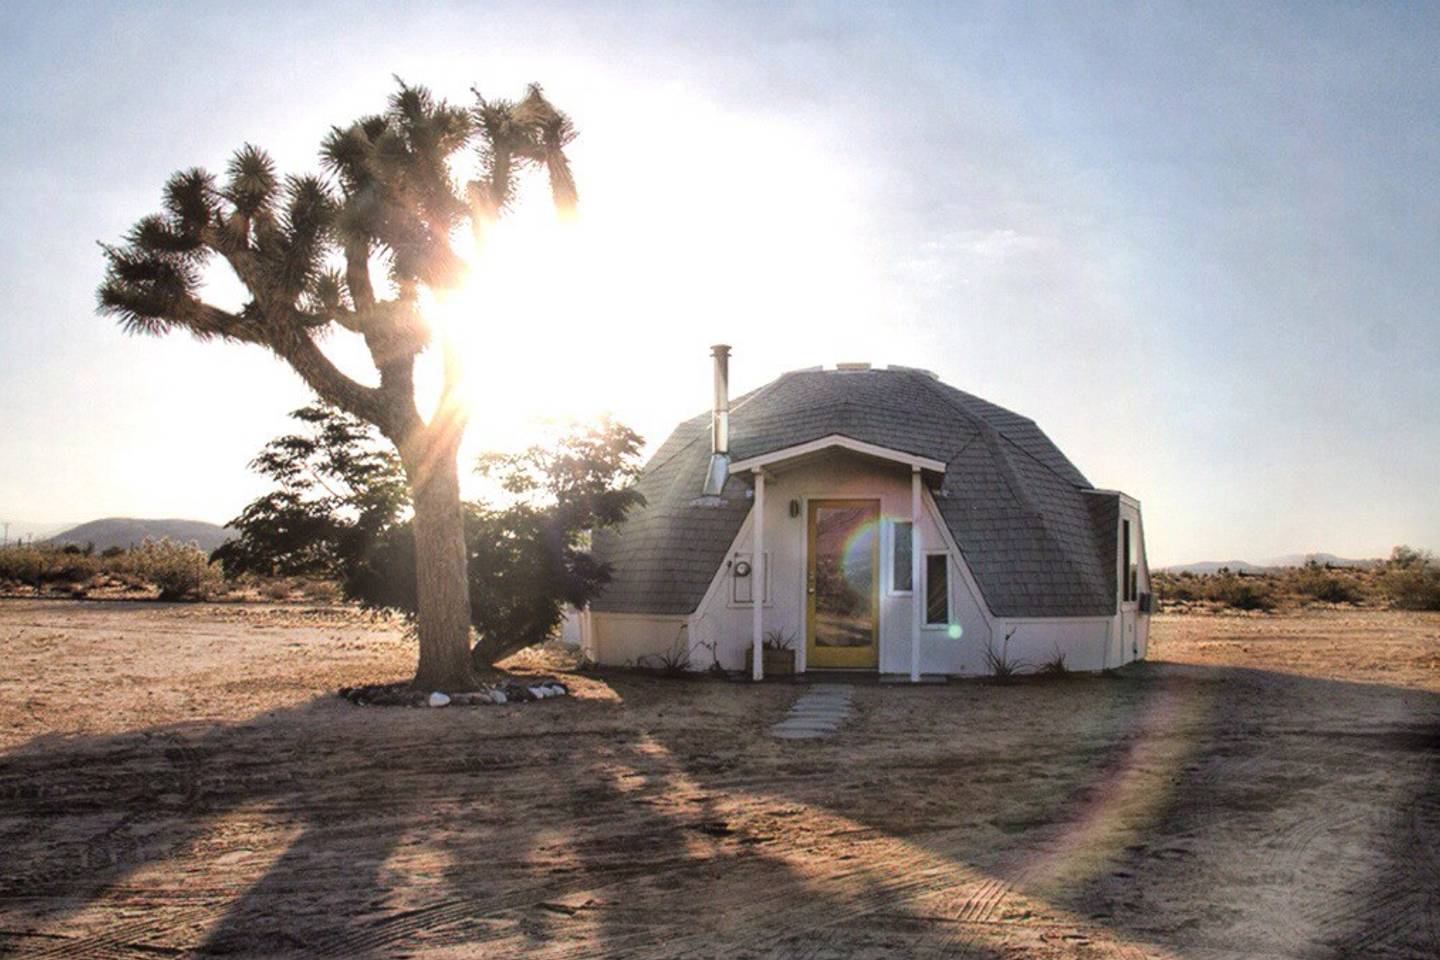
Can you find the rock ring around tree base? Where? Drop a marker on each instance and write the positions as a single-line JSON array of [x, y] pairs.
[[403, 695]]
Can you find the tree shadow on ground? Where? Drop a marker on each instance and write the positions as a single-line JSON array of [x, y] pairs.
[[1173, 809]]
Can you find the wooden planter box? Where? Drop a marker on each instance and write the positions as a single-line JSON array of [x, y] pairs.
[[776, 663]]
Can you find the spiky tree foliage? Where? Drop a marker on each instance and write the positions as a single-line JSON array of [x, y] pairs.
[[307, 250]]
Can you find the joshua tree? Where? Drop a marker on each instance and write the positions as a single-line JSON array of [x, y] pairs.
[[306, 249]]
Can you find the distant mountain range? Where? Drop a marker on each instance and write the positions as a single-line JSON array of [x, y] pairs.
[[128, 531], [1245, 566]]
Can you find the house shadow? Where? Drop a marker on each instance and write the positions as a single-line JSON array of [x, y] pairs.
[[1163, 817]]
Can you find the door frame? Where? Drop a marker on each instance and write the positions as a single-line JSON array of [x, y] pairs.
[[872, 660]]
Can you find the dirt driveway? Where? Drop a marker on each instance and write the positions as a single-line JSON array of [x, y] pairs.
[[179, 780]]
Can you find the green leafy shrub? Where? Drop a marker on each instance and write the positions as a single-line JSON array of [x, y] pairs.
[[341, 510]]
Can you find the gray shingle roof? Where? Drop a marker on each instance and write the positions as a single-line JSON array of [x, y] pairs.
[[1032, 529]]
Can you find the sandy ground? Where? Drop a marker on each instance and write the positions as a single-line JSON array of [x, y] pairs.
[[180, 780]]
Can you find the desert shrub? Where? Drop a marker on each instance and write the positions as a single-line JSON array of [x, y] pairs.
[[22, 564], [1240, 592], [1411, 580], [71, 568], [110, 553], [321, 591], [180, 571], [1319, 582], [1176, 587], [341, 506], [276, 588], [39, 566]]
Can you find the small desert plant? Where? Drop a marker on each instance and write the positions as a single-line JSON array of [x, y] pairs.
[[180, 571], [999, 664], [1055, 666], [715, 669], [674, 662], [778, 640]]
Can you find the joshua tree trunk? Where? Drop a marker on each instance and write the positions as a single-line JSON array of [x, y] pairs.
[[442, 588]]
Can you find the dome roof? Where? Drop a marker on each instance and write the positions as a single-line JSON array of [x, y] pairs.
[[1038, 538]]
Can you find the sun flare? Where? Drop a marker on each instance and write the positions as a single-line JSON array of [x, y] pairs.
[[566, 320], [515, 320]]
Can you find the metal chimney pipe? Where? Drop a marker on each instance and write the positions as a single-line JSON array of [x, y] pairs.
[[720, 415]]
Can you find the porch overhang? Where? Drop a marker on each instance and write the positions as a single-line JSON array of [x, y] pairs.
[[833, 442]]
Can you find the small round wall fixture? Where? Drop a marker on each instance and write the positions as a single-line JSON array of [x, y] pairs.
[[794, 508], [742, 568]]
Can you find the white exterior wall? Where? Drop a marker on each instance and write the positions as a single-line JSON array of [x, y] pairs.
[[622, 639], [1088, 643], [721, 621], [1035, 642], [1131, 628]]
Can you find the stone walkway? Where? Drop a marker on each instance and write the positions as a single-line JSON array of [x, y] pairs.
[[816, 714]]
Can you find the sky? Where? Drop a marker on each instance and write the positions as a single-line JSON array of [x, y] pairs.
[[1197, 243]]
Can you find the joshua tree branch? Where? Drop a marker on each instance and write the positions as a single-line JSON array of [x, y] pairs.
[[299, 349], [357, 277]]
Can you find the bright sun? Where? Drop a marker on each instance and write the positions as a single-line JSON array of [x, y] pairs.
[[517, 319], [613, 311]]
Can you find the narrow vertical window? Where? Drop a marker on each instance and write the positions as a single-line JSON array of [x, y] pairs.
[[1134, 565], [903, 569], [937, 589], [1128, 591]]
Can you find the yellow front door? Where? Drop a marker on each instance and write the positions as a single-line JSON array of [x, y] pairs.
[[843, 584]]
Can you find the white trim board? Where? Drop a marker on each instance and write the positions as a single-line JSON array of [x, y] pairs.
[[844, 443]]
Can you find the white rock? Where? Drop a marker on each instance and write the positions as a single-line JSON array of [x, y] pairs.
[[498, 696], [438, 699]]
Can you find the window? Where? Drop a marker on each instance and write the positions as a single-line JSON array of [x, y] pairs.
[[1129, 566], [742, 589], [1134, 567], [902, 569], [937, 589]]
